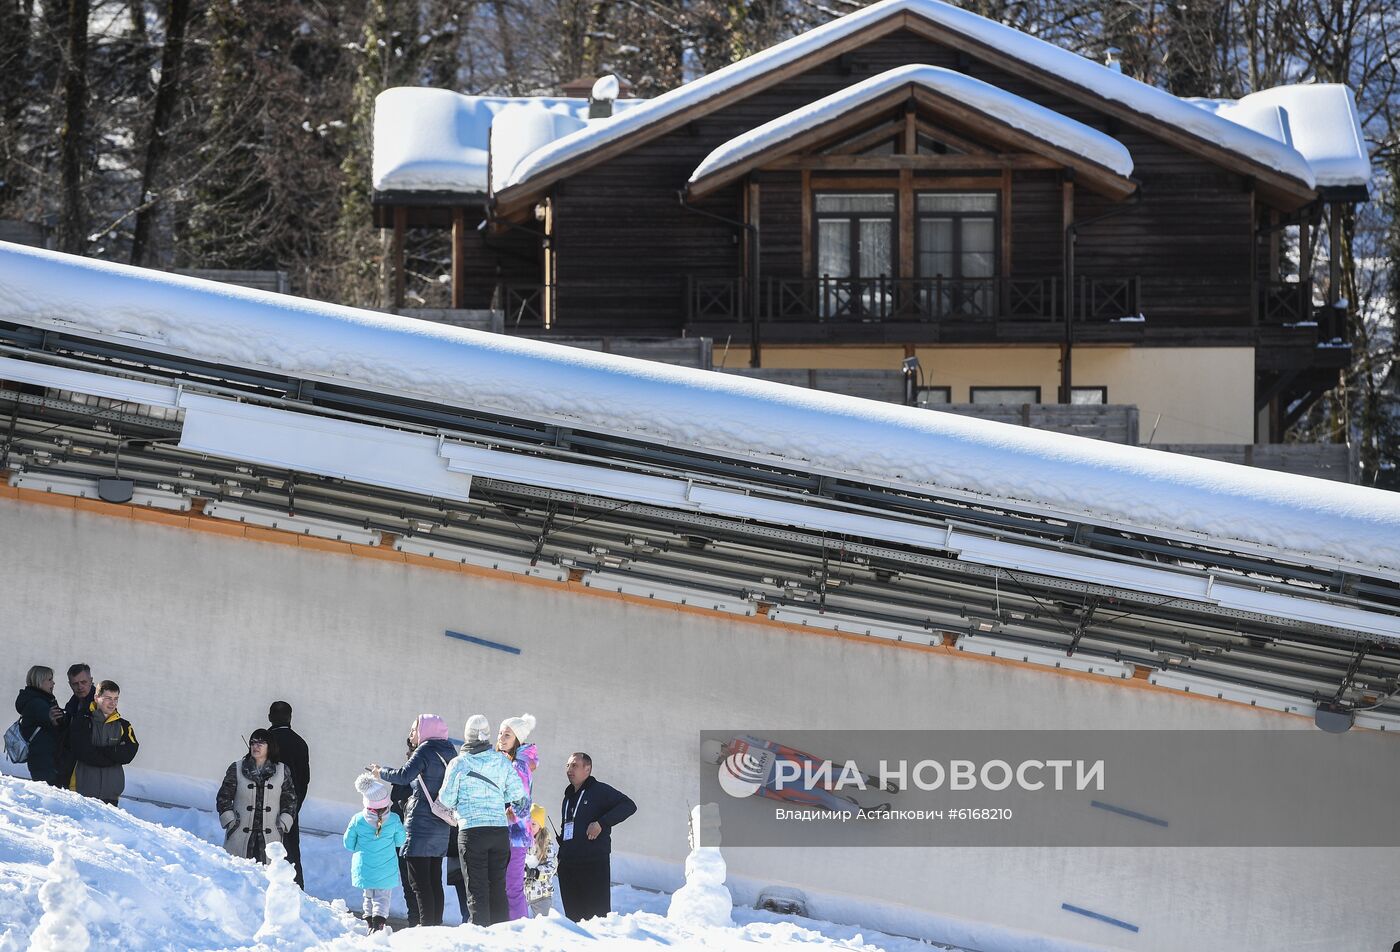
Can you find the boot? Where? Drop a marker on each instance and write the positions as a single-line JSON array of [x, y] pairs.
[[375, 923]]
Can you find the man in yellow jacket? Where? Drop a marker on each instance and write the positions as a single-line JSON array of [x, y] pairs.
[[102, 742]]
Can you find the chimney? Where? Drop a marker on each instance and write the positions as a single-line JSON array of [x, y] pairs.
[[1111, 60], [600, 100]]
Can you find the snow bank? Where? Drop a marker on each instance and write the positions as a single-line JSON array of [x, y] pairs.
[[1045, 124], [1056, 61], [75, 870], [1314, 521], [76, 874]]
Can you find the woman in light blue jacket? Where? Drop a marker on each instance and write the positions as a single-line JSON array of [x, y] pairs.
[[374, 836], [480, 783]]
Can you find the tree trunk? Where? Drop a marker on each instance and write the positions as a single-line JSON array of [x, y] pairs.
[[166, 95], [72, 220]]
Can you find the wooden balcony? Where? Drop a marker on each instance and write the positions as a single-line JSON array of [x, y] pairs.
[[937, 308]]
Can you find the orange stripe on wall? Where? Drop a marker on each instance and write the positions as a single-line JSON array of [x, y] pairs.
[[199, 522]]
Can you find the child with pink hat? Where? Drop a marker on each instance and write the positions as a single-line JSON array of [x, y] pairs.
[[374, 836]]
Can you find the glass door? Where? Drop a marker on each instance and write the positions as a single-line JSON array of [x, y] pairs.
[[957, 253], [855, 242]]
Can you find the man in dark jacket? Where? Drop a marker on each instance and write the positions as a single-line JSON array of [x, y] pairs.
[[292, 752], [84, 693], [591, 809], [103, 743]]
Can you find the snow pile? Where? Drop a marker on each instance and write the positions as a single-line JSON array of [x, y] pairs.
[[1055, 61], [63, 899], [1317, 522], [1044, 124], [76, 875], [703, 900], [74, 870], [282, 926]]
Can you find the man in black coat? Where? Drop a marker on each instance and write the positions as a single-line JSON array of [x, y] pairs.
[[84, 693], [591, 809], [292, 752]]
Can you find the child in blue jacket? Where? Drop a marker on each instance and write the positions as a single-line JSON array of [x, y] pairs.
[[374, 836]]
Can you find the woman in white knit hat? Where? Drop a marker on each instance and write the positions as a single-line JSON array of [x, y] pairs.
[[481, 782], [511, 742]]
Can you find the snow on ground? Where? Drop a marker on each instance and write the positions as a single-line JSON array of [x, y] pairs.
[[76, 874]]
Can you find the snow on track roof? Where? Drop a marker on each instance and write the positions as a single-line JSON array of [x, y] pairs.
[[1319, 120], [1303, 518], [1045, 124], [1055, 60]]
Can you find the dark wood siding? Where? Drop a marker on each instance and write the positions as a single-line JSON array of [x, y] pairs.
[[1037, 224], [513, 257], [626, 245]]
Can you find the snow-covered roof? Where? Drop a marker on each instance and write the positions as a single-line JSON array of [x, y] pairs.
[[884, 444], [1319, 120], [436, 140], [1044, 124], [1061, 63]]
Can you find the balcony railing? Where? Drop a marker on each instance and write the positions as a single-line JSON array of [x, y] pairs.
[[1285, 302], [522, 305], [936, 299]]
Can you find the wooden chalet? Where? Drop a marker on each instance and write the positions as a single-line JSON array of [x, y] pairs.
[[914, 181]]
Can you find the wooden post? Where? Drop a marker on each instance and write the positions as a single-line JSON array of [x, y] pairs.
[[459, 258], [907, 266], [1274, 234], [1067, 345], [753, 271], [807, 271], [397, 254], [911, 133], [550, 304], [1004, 265], [1253, 256], [1334, 254]]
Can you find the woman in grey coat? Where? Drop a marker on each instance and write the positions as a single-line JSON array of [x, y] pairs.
[[257, 800], [427, 835]]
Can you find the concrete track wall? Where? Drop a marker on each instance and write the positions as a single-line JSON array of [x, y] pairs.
[[202, 631]]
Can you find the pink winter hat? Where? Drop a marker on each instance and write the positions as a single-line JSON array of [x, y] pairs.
[[431, 727]]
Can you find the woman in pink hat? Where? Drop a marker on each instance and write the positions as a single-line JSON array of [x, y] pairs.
[[427, 835]]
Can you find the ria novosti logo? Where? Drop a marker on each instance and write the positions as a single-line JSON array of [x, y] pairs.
[[742, 771]]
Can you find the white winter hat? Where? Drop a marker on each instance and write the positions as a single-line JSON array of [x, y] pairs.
[[373, 792], [520, 726], [478, 729]]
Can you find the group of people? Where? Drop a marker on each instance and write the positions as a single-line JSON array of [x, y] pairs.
[[83, 745], [475, 807]]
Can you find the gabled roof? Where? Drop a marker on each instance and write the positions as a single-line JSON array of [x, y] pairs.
[[1078, 144], [1273, 162]]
